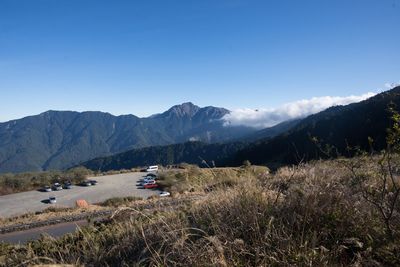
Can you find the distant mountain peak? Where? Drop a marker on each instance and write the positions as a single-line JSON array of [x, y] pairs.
[[187, 109], [188, 104], [49, 112]]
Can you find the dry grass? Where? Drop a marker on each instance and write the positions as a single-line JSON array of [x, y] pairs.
[[308, 215], [191, 178], [48, 214], [120, 201]]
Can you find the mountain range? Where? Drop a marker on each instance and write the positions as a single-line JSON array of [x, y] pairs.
[[185, 133], [61, 139], [286, 143]]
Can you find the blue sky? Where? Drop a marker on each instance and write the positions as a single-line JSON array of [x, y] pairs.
[[141, 57]]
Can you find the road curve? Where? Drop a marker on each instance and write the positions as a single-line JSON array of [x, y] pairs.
[[55, 231]]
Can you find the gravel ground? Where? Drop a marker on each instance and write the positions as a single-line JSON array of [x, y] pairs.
[[108, 186]]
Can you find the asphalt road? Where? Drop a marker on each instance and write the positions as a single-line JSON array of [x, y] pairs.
[[118, 185], [55, 231]]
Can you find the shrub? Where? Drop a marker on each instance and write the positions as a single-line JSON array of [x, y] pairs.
[[119, 201]]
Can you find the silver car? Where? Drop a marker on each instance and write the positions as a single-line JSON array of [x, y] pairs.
[[165, 194], [52, 200], [57, 187]]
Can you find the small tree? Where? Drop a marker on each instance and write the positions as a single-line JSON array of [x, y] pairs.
[[380, 188], [385, 193]]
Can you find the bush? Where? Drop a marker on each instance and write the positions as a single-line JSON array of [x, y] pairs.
[[119, 201], [195, 179]]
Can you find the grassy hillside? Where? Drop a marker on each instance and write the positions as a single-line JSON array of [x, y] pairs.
[[323, 213]]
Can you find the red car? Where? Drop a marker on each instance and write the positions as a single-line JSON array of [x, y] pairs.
[[149, 186]]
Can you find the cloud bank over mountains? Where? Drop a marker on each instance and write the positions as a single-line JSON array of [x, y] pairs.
[[268, 117], [392, 85]]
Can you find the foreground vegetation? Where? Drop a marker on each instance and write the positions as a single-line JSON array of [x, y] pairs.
[[119, 201], [336, 212]]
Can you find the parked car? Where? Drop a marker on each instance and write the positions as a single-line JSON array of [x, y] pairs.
[[93, 182], [144, 182], [153, 168], [86, 183], [46, 188], [52, 200], [149, 186], [151, 175], [165, 194], [57, 187], [67, 185]]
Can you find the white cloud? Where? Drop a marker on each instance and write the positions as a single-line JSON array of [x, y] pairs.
[[392, 85], [263, 118]]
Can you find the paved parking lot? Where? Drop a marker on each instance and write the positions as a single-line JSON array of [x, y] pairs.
[[118, 185]]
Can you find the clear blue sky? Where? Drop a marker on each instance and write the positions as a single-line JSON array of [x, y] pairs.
[[141, 57]]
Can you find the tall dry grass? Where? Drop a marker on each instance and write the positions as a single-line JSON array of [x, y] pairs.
[[314, 214]]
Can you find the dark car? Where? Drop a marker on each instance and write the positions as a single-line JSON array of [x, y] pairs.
[[86, 183], [151, 175], [93, 182], [67, 185], [46, 188]]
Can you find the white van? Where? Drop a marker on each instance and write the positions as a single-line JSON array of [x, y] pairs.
[[152, 168]]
